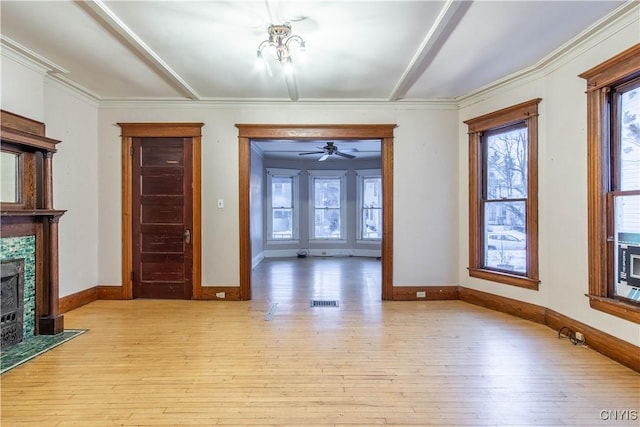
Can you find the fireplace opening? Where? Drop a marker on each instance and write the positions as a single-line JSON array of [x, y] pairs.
[[12, 302]]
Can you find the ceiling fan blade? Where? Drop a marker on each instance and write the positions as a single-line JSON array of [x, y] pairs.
[[310, 152], [323, 158], [345, 155]]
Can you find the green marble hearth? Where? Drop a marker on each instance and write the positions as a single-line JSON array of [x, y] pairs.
[[32, 347]]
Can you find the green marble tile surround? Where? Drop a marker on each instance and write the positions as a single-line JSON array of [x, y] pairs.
[[24, 247], [32, 347]]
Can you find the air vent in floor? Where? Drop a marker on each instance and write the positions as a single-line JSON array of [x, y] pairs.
[[324, 303]]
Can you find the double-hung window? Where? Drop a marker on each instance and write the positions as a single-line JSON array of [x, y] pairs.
[[613, 138], [327, 204], [503, 196], [282, 196], [369, 191]]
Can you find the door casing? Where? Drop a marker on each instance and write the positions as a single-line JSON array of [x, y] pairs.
[[249, 132], [178, 130]]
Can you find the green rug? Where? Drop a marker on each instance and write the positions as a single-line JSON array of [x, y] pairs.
[[32, 347]]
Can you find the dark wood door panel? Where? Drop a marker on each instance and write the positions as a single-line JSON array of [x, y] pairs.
[[162, 218], [161, 184], [164, 214]]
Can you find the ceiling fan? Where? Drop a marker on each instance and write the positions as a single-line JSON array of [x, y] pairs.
[[329, 150]]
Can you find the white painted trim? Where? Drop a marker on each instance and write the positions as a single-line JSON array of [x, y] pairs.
[[257, 260], [292, 253]]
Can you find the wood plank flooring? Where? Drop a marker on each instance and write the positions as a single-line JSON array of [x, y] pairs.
[[206, 363]]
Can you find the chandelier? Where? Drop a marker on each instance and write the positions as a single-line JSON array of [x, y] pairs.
[[278, 45]]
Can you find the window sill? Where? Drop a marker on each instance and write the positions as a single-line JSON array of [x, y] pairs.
[[283, 242], [505, 278], [615, 307]]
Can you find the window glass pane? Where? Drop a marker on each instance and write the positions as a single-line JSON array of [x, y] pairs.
[[630, 139], [371, 192], [627, 253], [506, 164], [505, 239], [327, 224], [282, 224], [371, 204], [327, 192], [372, 223], [281, 191]]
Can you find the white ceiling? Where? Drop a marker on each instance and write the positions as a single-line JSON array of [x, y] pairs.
[[357, 50]]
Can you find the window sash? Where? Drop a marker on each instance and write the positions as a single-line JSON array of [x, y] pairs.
[[327, 203], [282, 214], [369, 194]]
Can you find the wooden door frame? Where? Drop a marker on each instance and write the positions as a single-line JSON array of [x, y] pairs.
[[249, 132], [160, 130]]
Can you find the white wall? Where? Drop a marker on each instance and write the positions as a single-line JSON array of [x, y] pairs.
[[425, 205], [73, 120], [562, 197], [22, 86]]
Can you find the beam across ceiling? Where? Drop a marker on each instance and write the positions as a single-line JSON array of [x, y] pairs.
[[444, 24], [136, 43]]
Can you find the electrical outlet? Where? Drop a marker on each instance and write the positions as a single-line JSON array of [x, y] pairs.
[[579, 336], [220, 294], [421, 294], [220, 203]]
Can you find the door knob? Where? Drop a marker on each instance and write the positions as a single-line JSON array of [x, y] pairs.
[[187, 236]]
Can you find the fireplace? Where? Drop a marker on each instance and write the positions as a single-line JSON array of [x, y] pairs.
[[12, 302], [29, 231]]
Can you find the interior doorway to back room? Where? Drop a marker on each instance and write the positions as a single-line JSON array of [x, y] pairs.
[[330, 223]]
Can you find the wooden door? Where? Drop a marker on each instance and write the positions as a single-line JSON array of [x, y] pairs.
[[162, 206]]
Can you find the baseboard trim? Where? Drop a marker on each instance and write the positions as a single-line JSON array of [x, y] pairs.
[[525, 310], [73, 301], [431, 293], [231, 293], [614, 348], [110, 292]]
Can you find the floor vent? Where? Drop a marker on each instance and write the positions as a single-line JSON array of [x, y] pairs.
[[324, 303]]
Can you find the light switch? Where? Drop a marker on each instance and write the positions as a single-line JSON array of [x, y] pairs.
[[220, 203]]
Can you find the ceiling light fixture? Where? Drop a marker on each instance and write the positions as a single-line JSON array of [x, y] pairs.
[[278, 46]]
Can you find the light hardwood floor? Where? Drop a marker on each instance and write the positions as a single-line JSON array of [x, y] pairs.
[[173, 363]]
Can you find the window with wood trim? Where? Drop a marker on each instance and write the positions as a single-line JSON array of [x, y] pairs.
[[503, 195], [613, 146]]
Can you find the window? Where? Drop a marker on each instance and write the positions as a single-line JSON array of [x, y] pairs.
[[282, 195], [369, 185], [328, 205], [613, 144], [503, 194]]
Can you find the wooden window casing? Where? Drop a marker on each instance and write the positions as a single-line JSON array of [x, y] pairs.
[[525, 113], [600, 180]]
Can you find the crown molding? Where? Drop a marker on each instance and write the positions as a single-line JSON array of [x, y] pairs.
[[347, 104]]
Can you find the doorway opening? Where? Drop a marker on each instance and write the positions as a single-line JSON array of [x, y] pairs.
[[265, 133]]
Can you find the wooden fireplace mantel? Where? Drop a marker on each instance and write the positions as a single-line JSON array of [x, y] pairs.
[[32, 214]]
